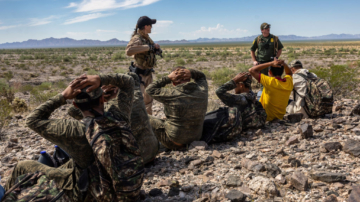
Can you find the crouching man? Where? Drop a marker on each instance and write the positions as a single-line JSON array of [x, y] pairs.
[[276, 93], [185, 105], [109, 166]]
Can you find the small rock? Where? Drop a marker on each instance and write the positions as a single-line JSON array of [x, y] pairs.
[[332, 146], [306, 131], [259, 132], [217, 154], [292, 140], [352, 147], [233, 181], [280, 179], [299, 181], [294, 118], [197, 162], [355, 111], [262, 185], [235, 196], [331, 198], [199, 145], [272, 170], [355, 194], [328, 177], [187, 188], [155, 192], [14, 140]]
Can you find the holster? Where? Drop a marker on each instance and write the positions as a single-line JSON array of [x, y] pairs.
[[139, 71]]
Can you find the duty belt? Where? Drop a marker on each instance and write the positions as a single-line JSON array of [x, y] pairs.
[[139, 71]]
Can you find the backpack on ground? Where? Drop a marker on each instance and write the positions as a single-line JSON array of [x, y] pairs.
[[34, 187], [318, 97], [221, 125]]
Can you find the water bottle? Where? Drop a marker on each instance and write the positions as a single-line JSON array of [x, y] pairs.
[[60, 156], [46, 159]]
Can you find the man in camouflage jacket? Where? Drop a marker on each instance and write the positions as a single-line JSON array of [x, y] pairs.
[[71, 135], [140, 124], [252, 113], [185, 106]]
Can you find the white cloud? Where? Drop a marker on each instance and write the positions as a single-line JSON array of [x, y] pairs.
[[217, 31], [84, 18], [42, 21], [71, 5], [8, 27], [102, 5], [163, 23]]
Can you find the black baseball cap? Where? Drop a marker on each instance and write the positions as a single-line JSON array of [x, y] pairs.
[[145, 20]]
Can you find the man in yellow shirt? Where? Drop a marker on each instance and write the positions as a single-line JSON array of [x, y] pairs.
[[276, 93]]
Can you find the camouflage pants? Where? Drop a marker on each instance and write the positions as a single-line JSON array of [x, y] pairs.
[[148, 100], [159, 130], [63, 176]]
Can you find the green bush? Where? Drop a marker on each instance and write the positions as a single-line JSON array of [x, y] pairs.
[[40, 97], [118, 56], [222, 75], [44, 86], [3, 85], [202, 59], [121, 71], [341, 78], [19, 105], [5, 110], [180, 61], [198, 53], [8, 75], [92, 72]]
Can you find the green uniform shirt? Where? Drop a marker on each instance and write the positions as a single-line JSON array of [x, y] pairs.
[[185, 106], [264, 54]]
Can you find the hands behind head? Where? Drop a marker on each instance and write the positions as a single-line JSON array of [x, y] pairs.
[[241, 77], [79, 83], [277, 63], [179, 75], [86, 80], [110, 92]]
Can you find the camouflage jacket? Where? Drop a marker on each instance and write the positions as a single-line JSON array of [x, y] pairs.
[[139, 47], [140, 125], [252, 113], [185, 106]]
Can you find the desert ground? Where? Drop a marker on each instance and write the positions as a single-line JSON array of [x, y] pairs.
[[276, 163]]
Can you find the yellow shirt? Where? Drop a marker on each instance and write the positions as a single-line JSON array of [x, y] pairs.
[[275, 95]]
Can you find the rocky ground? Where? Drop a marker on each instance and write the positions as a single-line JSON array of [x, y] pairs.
[[310, 160]]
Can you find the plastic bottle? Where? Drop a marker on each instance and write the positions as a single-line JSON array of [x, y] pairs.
[[46, 159], [60, 156]]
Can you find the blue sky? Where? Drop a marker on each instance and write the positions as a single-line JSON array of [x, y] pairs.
[[21, 20]]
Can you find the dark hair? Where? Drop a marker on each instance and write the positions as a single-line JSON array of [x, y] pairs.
[[88, 105], [276, 71], [136, 30]]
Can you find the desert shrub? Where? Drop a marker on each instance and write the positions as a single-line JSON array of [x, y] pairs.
[[121, 71], [242, 68], [167, 59], [92, 72], [3, 85], [8, 75], [5, 110], [44, 86], [180, 61], [67, 59], [198, 53], [19, 105], [189, 61], [38, 97], [93, 58], [202, 59], [26, 87], [341, 78], [60, 85], [222, 75], [118, 56], [207, 74]]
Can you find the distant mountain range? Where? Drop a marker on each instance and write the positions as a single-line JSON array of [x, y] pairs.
[[67, 42]]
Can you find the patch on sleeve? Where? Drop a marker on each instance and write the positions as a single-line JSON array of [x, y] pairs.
[[254, 41]]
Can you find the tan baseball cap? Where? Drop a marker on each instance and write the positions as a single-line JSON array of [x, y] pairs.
[[265, 26]]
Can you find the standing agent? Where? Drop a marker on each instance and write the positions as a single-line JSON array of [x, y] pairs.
[[143, 48], [267, 45]]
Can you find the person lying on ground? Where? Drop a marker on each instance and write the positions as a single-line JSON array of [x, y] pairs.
[[185, 105], [277, 90]]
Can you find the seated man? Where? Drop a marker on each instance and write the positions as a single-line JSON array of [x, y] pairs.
[[140, 126], [297, 105], [276, 93], [252, 113], [185, 105], [112, 174]]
